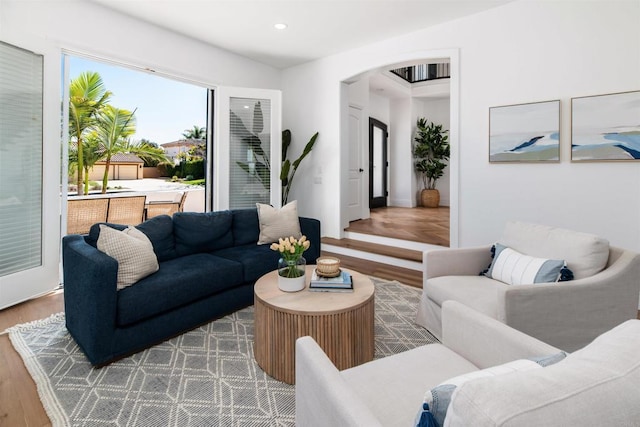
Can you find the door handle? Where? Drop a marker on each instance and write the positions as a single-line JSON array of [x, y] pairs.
[[360, 170]]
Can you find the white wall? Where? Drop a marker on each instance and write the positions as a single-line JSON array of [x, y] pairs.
[[401, 175], [379, 108], [523, 51], [87, 28]]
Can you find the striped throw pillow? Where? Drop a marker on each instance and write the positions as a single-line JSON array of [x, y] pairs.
[[512, 267]]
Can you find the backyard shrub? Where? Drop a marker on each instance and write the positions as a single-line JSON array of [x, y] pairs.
[[191, 168]]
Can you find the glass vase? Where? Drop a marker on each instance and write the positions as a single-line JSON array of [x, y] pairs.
[[291, 274]]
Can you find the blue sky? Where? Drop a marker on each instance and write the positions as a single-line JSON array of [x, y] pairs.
[[165, 107]]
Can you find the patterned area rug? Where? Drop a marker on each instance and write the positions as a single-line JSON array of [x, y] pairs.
[[205, 377]]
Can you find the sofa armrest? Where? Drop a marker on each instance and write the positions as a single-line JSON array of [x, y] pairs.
[[90, 295], [310, 227], [323, 398], [571, 314], [456, 262], [485, 341]]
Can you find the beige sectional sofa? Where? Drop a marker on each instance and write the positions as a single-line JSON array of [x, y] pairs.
[[595, 386], [568, 315]]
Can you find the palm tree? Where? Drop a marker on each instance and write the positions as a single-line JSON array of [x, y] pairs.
[[87, 95], [150, 153], [114, 127], [195, 133], [91, 154]]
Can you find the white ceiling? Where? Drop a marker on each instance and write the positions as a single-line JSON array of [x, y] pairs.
[[316, 28]]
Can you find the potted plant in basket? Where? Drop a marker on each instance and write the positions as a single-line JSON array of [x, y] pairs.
[[430, 151], [291, 265]]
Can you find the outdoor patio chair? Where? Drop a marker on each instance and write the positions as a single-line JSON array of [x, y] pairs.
[[126, 210], [161, 207], [83, 213]]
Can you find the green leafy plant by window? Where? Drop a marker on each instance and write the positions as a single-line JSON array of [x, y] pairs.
[[289, 169]]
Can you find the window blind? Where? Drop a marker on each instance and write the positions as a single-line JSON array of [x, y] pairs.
[[20, 159], [250, 153]]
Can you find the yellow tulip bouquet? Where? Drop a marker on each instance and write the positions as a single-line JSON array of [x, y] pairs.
[[291, 250]]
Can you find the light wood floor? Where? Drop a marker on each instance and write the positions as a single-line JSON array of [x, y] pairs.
[[19, 401], [426, 225]]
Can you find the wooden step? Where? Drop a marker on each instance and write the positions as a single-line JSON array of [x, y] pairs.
[[376, 269], [391, 251]]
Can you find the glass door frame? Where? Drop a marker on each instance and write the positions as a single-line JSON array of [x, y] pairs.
[[378, 150], [33, 282], [221, 146]]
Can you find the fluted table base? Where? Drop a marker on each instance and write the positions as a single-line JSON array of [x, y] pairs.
[[341, 323]]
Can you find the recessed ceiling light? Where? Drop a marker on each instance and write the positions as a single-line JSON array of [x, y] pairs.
[[281, 26]]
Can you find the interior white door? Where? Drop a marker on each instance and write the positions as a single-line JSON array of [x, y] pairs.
[[356, 171], [247, 148]]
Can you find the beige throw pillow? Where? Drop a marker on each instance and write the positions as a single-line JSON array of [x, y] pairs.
[[133, 251], [276, 223]]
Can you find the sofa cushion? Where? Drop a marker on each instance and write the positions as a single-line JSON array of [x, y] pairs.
[[585, 254], [405, 377], [179, 282], [278, 223], [133, 251], [202, 232], [596, 385], [479, 292], [158, 229], [245, 226], [512, 267], [256, 260], [94, 232]]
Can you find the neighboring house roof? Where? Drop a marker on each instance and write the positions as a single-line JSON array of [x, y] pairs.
[[183, 143], [123, 158]]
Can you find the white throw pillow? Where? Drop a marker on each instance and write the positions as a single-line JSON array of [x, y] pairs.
[[276, 223], [438, 398], [133, 251], [594, 386]]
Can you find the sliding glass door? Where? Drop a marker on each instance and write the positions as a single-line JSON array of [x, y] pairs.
[[25, 270], [247, 148]]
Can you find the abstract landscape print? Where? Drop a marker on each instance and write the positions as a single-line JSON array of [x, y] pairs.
[[525, 132], [605, 127]]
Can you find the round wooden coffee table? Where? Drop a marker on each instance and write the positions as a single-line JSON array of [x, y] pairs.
[[341, 323]]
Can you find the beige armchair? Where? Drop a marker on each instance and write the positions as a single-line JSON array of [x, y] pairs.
[[596, 385], [567, 315]]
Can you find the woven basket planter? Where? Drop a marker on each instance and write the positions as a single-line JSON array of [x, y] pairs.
[[430, 198]]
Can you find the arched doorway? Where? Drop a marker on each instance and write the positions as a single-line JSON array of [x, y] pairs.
[[355, 95]]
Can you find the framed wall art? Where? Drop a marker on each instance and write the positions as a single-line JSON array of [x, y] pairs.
[[605, 127], [525, 132]]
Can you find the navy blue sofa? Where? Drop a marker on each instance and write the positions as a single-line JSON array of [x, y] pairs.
[[209, 263]]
